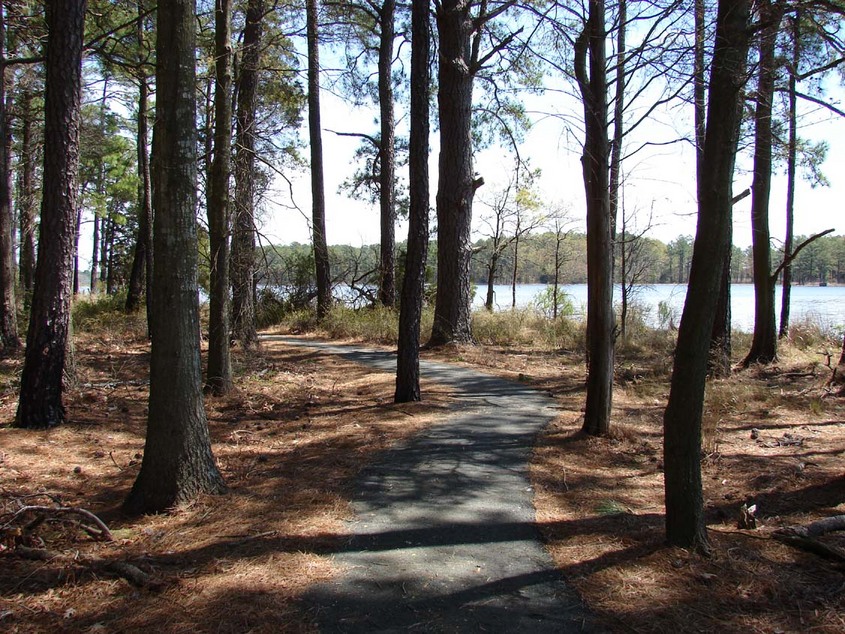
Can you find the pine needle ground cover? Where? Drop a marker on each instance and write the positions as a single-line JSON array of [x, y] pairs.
[[301, 425], [289, 441], [774, 438]]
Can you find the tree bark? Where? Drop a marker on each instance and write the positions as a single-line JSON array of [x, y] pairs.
[[721, 347], [492, 267], [413, 285], [8, 307], [95, 252], [721, 344], [318, 194], [26, 199], [243, 236], [387, 162], [792, 147], [685, 526], [178, 464], [142, 264], [456, 185], [40, 403], [618, 116], [219, 374], [590, 50], [764, 341], [515, 275]]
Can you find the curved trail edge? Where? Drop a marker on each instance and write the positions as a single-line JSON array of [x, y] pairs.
[[444, 537]]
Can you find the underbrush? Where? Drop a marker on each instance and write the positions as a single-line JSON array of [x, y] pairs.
[[107, 314], [527, 327]]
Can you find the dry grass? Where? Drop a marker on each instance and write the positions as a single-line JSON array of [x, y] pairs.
[[301, 425]]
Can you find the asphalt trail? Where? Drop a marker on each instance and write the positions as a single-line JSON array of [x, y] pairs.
[[444, 538]]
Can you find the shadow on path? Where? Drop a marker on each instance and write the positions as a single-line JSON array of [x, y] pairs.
[[444, 538]]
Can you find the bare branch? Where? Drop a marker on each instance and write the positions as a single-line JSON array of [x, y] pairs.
[[791, 257]]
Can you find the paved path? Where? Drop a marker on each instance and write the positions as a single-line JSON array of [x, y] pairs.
[[444, 537]]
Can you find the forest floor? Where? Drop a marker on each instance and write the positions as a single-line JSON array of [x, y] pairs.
[[301, 425]]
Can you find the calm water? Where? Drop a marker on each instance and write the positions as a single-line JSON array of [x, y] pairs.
[[823, 305]]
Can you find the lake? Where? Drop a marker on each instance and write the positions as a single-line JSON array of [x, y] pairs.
[[824, 305]]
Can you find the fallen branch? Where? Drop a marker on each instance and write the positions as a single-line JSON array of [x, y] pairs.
[[815, 529], [812, 545], [804, 537], [125, 570], [100, 533]]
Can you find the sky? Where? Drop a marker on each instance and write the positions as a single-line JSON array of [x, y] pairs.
[[659, 183]]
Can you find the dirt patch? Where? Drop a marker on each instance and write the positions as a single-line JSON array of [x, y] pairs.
[[289, 442]]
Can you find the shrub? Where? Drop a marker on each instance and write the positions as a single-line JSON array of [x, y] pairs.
[[544, 302], [811, 332], [271, 308], [526, 327], [376, 323], [92, 313]]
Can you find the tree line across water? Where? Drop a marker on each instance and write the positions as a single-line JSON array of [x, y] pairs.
[[291, 265], [225, 127]]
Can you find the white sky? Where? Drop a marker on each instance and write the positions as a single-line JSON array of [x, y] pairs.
[[663, 181]]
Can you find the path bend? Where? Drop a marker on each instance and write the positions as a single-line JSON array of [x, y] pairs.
[[444, 537]]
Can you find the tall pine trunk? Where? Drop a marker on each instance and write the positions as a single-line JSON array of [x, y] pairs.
[[387, 159], [142, 263], [219, 374], [684, 498], [318, 194], [26, 198], [8, 307], [590, 54], [243, 231], [413, 285], [456, 185], [178, 464], [791, 160], [40, 403], [764, 341]]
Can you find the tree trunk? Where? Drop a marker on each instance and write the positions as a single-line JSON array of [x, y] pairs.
[[318, 194], [623, 272], [685, 526], [142, 264], [110, 236], [95, 240], [590, 47], [413, 286], [105, 221], [792, 147], [27, 201], [491, 278], [178, 464], [243, 236], [720, 337], [387, 162], [618, 120], [8, 307], [556, 287], [76, 227], [515, 265], [455, 184], [764, 342], [699, 87], [40, 403], [219, 375]]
